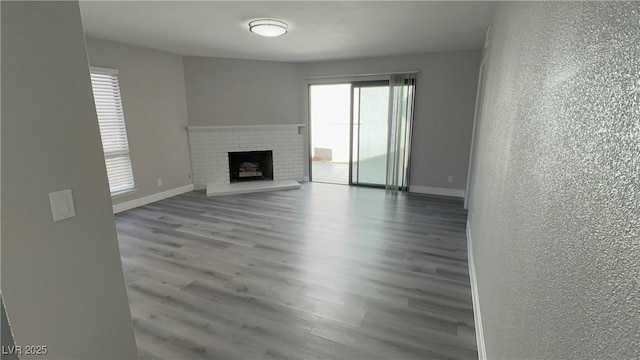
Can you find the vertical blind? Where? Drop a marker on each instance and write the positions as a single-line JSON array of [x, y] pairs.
[[106, 94], [402, 88]]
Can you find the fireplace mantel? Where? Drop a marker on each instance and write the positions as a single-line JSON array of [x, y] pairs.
[[244, 127]]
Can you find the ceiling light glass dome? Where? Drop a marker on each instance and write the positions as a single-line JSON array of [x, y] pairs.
[[268, 27]]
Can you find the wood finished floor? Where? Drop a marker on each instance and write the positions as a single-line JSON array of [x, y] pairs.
[[325, 272]]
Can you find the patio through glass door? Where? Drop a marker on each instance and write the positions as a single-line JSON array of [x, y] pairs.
[[349, 132]]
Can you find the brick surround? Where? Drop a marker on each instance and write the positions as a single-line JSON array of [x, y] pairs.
[[209, 147]]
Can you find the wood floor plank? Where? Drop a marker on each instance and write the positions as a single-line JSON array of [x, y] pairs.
[[325, 272]]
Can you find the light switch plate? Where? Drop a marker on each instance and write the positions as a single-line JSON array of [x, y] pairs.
[[62, 205]]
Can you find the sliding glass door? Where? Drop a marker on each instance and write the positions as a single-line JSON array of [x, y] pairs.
[[361, 132], [330, 116], [370, 132]]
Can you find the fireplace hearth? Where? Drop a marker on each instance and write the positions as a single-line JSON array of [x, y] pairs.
[[250, 166]]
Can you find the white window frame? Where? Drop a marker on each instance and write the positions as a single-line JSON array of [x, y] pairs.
[[120, 148]]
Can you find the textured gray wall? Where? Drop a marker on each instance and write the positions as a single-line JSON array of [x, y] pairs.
[[62, 282], [155, 110], [556, 204]]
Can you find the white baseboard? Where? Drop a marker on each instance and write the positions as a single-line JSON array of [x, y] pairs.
[[151, 198], [482, 354], [436, 191]]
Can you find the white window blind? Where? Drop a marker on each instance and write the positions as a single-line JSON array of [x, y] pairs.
[[106, 93]]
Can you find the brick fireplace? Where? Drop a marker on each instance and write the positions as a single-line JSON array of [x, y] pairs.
[[210, 146]]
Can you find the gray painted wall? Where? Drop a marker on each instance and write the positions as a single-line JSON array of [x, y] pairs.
[[248, 92], [242, 92], [556, 203], [445, 103], [62, 282], [155, 110]]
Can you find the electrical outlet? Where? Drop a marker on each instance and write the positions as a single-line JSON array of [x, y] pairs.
[[450, 179], [159, 182]]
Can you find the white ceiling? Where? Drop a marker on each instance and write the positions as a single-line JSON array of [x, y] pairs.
[[318, 30]]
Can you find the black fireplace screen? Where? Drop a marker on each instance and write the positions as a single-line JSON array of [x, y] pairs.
[[250, 165]]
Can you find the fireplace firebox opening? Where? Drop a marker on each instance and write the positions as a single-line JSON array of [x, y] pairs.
[[250, 165]]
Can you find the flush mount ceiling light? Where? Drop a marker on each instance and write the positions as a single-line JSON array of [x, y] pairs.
[[268, 27]]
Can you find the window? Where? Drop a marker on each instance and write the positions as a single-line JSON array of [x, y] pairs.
[[106, 94]]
